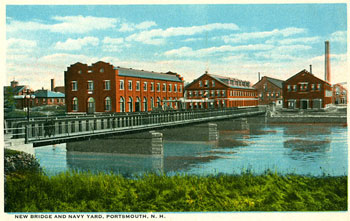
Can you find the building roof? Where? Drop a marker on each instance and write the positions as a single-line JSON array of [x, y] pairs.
[[274, 81], [306, 72], [15, 90], [127, 72], [222, 79], [48, 94]]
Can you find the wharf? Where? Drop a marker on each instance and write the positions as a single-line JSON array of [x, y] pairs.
[[308, 116]]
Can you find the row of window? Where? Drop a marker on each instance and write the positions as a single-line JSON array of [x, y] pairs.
[[90, 71], [218, 93], [272, 95], [303, 87], [107, 86], [171, 87], [51, 100], [90, 85], [108, 103]]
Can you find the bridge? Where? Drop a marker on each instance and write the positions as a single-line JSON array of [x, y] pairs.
[[54, 130]]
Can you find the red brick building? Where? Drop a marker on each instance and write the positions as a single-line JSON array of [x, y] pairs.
[[102, 87], [47, 97], [18, 92], [269, 91], [340, 94], [305, 91], [213, 91]]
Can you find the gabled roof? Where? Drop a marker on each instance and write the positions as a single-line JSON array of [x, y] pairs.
[[48, 94], [306, 72], [148, 74], [221, 80], [15, 90], [276, 82]]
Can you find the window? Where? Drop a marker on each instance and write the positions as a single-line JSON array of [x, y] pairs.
[[289, 87], [190, 94], [145, 105], [90, 86], [91, 105], [212, 93], [79, 72], [294, 88], [121, 84], [102, 70], [312, 86], [137, 85], [206, 83], [164, 87], [158, 102], [158, 87], [107, 104], [223, 93], [130, 85], [130, 104], [74, 86], [107, 85], [75, 104], [122, 104], [303, 86], [318, 87], [144, 86], [152, 103], [169, 87], [175, 87], [200, 84], [152, 86], [180, 89], [195, 93], [213, 83]]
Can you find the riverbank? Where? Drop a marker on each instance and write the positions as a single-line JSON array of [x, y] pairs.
[[86, 192]]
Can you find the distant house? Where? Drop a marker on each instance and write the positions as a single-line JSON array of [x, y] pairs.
[[304, 91], [214, 91], [16, 93], [340, 94], [269, 91], [47, 97]]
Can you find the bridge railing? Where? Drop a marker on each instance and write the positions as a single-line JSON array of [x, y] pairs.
[[87, 125]]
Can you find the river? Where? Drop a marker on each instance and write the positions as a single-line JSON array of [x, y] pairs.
[[252, 145]]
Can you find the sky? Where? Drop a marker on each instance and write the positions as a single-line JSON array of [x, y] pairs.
[[236, 40]]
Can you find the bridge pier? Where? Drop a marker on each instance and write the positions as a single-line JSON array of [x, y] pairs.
[[149, 143], [197, 132]]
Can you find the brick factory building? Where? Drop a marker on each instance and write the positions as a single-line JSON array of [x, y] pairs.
[[213, 91], [340, 94], [269, 91], [102, 87], [305, 91], [47, 97]]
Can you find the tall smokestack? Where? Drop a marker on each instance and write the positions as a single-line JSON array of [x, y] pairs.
[[258, 76], [52, 84], [310, 69], [327, 68]]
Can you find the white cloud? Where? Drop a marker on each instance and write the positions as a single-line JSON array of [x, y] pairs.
[[339, 36], [114, 44], [66, 25], [125, 27], [16, 45], [157, 36], [76, 44], [241, 37], [189, 52], [192, 39], [288, 41]]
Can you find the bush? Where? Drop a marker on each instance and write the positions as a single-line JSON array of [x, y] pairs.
[[85, 192]]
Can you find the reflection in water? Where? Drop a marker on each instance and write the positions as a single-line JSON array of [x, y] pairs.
[[293, 148], [116, 163]]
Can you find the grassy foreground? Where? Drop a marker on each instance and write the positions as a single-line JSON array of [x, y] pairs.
[[84, 192]]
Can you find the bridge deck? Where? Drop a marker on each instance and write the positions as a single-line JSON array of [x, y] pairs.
[[64, 130]]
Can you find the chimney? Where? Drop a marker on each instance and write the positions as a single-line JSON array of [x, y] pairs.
[[327, 71], [52, 84], [310, 69], [258, 76]]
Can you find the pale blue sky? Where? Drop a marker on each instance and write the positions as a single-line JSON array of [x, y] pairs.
[[233, 40]]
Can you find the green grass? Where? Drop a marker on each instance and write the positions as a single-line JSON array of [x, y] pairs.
[[85, 192]]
